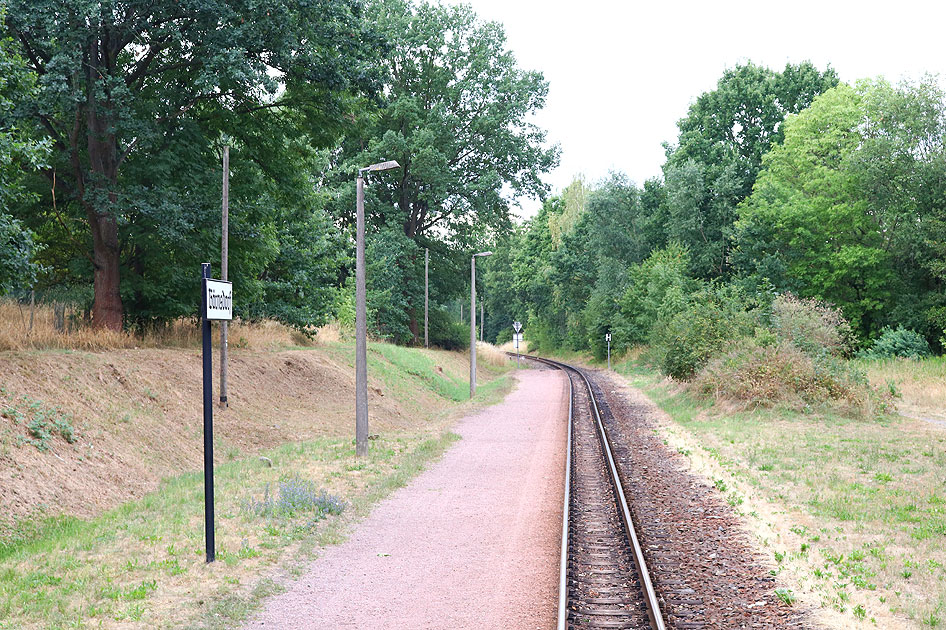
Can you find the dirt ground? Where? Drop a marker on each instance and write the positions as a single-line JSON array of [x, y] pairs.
[[474, 542], [137, 418]]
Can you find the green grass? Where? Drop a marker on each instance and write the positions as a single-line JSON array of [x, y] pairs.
[[127, 563], [143, 563], [875, 488], [405, 372]]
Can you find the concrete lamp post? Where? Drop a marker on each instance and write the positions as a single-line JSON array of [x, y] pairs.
[[473, 320], [361, 318]]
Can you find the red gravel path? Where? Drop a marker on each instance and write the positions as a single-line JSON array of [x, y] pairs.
[[473, 542]]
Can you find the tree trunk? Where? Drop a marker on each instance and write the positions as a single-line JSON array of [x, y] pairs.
[[107, 308], [102, 148], [414, 327]]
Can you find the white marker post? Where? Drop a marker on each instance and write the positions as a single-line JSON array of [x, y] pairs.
[[216, 302], [608, 337], [517, 326]]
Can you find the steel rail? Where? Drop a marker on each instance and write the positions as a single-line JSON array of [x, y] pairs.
[[563, 570], [650, 595]]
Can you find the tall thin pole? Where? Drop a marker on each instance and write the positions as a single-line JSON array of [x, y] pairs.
[[361, 332], [461, 312], [472, 326], [224, 253], [207, 364], [426, 295]]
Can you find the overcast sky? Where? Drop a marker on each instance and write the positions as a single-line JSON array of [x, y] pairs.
[[622, 73]]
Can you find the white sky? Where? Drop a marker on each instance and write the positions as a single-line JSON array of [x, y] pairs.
[[622, 73]]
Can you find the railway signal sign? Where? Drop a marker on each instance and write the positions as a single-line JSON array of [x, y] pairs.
[[608, 337], [517, 337]]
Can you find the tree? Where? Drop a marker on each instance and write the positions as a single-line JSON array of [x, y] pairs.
[[841, 208], [719, 153], [18, 150], [118, 80], [456, 118]]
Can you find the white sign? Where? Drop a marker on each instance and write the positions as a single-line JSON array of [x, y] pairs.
[[516, 341], [517, 326], [518, 337], [219, 299], [608, 336]]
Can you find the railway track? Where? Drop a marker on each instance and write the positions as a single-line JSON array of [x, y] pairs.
[[604, 579]]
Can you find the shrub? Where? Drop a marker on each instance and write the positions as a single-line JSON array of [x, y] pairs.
[[898, 342], [765, 376], [293, 496], [812, 326], [446, 332], [713, 318]]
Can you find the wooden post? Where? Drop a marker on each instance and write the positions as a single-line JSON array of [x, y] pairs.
[[426, 295], [224, 254], [32, 307]]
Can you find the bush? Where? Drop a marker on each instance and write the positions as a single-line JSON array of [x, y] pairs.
[[446, 332], [765, 376], [713, 318], [292, 496], [898, 342], [814, 327]]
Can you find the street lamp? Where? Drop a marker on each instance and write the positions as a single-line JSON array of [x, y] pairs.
[[473, 320], [361, 324]]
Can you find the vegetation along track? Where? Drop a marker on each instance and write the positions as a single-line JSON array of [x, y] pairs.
[[604, 578]]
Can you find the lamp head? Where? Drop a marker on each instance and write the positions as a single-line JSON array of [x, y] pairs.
[[380, 166]]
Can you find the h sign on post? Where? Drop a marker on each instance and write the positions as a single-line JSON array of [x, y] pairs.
[[608, 337]]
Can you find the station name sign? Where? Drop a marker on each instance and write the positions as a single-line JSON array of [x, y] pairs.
[[219, 299]]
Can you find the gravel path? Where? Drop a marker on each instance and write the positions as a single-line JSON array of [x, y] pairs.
[[473, 542]]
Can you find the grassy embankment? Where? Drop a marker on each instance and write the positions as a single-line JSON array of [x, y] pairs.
[[139, 563], [853, 511]]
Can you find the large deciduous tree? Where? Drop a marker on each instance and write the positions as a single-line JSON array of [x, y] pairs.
[[457, 120], [844, 206], [119, 79], [719, 153], [457, 117]]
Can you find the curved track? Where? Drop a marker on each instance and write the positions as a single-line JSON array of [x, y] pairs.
[[604, 578]]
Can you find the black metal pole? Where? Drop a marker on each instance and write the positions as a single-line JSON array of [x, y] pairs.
[[208, 417]]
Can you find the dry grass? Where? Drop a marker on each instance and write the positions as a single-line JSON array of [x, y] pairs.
[[493, 355], [922, 383], [510, 346], [330, 333], [849, 511], [17, 334]]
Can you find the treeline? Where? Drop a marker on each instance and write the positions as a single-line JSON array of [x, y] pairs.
[[113, 117], [779, 184]]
